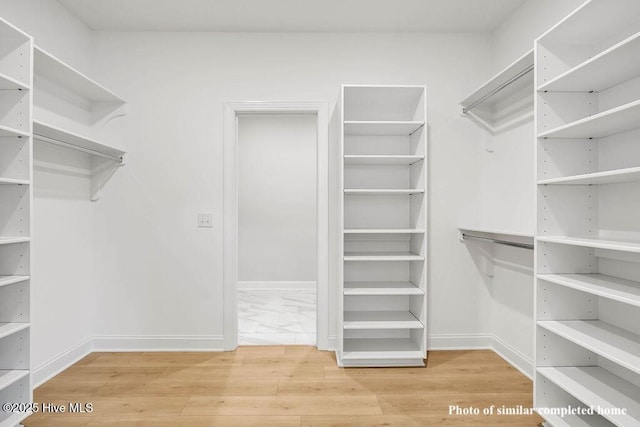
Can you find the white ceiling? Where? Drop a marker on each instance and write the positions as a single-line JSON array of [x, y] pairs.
[[293, 15]]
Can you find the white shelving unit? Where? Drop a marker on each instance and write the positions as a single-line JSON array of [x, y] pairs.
[[504, 100], [15, 218], [383, 243], [67, 106], [588, 226]]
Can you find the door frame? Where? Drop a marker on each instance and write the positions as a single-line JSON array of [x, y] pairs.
[[232, 111]]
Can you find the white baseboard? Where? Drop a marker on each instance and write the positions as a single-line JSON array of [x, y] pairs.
[[483, 342], [332, 343], [62, 361], [293, 285], [459, 342], [158, 343], [514, 357]]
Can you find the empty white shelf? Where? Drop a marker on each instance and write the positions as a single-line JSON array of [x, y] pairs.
[[616, 344], [12, 240], [9, 83], [7, 329], [381, 320], [9, 181], [10, 280], [382, 256], [387, 348], [8, 131], [8, 377], [399, 128], [382, 191], [15, 419], [376, 159], [383, 231], [58, 72], [599, 388], [614, 288], [381, 288], [503, 84], [54, 133], [577, 421], [615, 245], [608, 177], [607, 69], [610, 122]]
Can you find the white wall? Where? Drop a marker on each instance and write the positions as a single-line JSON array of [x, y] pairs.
[[62, 285], [277, 206], [156, 266]]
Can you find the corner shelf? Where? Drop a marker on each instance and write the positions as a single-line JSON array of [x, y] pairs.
[[598, 388], [357, 127], [381, 320], [614, 288], [381, 288], [613, 343], [607, 69], [378, 159], [616, 120], [617, 176], [64, 75]]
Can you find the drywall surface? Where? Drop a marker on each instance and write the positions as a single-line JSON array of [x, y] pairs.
[[160, 273], [516, 34], [62, 285], [277, 206]]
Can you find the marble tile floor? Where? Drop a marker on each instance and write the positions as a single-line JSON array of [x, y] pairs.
[[276, 317]]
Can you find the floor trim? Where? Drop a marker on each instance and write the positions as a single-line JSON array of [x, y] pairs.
[[158, 343], [62, 361]]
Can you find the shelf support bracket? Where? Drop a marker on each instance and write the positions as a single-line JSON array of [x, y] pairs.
[[100, 176]]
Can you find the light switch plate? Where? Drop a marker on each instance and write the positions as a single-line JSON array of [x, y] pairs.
[[205, 220]]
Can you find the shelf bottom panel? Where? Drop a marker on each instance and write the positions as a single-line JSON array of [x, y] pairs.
[[381, 288], [380, 348], [381, 320]]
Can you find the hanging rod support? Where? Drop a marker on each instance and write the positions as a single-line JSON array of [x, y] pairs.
[[498, 241], [496, 90], [117, 159]]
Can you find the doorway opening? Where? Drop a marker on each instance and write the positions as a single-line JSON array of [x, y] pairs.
[[276, 224]]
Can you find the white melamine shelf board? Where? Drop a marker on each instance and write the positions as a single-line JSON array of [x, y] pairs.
[[7, 329], [12, 240], [598, 178], [606, 123], [383, 191], [522, 68], [595, 387], [382, 256], [397, 128], [380, 159], [381, 288], [7, 131], [387, 348], [616, 344], [57, 134], [10, 181], [613, 288], [56, 71], [10, 280], [9, 83], [381, 320], [15, 419], [614, 245], [384, 231], [609, 68], [8, 377], [577, 421]]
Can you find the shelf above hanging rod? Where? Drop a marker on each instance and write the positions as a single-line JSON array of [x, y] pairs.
[[498, 241], [507, 238], [50, 134]]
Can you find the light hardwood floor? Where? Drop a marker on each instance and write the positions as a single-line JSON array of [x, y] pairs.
[[281, 386]]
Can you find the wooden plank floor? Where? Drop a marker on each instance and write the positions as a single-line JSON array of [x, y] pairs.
[[281, 386]]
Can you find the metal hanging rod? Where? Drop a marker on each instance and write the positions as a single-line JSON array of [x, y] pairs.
[[117, 159], [496, 90], [498, 241]]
